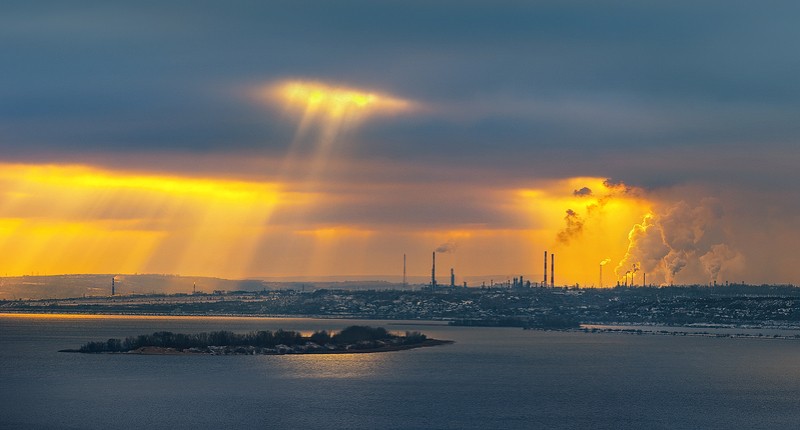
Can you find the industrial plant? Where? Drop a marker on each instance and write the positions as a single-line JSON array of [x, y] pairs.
[[517, 282]]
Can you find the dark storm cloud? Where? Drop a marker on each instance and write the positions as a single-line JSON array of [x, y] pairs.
[[513, 85]]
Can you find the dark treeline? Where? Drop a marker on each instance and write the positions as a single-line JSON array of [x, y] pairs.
[[261, 339]]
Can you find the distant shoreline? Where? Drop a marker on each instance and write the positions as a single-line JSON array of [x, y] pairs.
[[66, 313], [649, 330], [624, 327], [563, 308]]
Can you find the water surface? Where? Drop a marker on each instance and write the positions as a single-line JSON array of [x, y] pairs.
[[490, 378]]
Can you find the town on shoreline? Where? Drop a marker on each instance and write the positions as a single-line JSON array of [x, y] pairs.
[[548, 308]]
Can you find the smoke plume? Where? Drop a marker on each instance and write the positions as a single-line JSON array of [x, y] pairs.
[[573, 228], [676, 238], [673, 263], [717, 257], [617, 187], [685, 240], [449, 246], [576, 223], [583, 192], [646, 248]]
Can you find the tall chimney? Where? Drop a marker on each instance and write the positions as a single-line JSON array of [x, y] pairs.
[[552, 270], [405, 284], [433, 271], [112, 287], [545, 269], [452, 278]]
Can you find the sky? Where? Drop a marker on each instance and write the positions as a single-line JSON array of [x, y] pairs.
[[315, 138]]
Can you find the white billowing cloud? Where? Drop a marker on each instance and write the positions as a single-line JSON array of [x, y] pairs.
[[680, 236]]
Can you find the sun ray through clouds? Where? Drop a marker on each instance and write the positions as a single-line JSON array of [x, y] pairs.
[[78, 219]]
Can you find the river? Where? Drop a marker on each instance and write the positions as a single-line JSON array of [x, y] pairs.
[[491, 378]]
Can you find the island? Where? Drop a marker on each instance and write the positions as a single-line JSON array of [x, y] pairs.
[[353, 339]]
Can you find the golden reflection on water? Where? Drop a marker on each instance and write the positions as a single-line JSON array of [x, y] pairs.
[[335, 366]]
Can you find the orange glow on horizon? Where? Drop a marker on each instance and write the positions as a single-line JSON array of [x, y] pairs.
[[79, 219]]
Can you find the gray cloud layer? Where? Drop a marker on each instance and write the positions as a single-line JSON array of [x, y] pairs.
[[683, 99], [653, 93]]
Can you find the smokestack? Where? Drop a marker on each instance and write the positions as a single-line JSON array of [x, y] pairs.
[[452, 278], [433, 271], [405, 284], [552, 270], [545, 269], [113, 289]]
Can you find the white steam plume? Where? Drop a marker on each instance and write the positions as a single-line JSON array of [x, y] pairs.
[[719, 256], [680, 236]]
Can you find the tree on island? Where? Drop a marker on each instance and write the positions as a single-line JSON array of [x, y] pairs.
[[360, 333], [353, 337]]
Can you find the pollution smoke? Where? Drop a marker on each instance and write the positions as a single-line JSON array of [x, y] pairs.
[[674, 262], [617, 187], [684, 239], [573, 228], [576, 222], [714, 260], [681, 236], [449, 246], [583, 192]]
